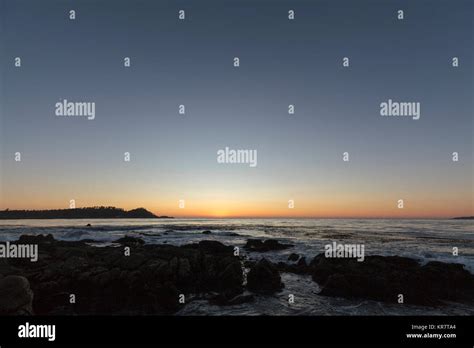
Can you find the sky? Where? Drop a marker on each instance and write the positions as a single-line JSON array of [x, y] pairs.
[[282, 62]]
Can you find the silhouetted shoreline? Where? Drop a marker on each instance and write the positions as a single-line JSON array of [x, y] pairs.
[[81, 213], [464, 218], [162, 279]]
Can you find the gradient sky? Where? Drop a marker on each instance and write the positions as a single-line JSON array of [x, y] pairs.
[[283, 62]]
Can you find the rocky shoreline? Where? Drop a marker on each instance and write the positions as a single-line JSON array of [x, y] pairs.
[[131, 277]]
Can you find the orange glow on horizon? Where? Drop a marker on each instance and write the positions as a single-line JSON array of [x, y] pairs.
[[238, 206]]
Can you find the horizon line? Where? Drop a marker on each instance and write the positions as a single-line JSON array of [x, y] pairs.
[[216, 217]]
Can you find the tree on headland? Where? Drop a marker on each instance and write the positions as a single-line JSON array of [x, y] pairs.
[[98, 212]]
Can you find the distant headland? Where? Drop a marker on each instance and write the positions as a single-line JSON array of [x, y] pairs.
[[81, 213], [464, 218]]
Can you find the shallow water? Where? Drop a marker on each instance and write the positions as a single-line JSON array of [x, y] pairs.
[[425, 240]]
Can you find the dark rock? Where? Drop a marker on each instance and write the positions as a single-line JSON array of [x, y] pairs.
[[206, 232], [36, 239], [50, 295], [130, 241], [211, 247], [383, 278], [107, 281], [264, 246], [301, 263], [168, 297], [232, 275], [88, 225], [131, 262], [16, 296], [293, 257], [89, 240], [299, 267], [249, 263], [264, 277], [74, 263], [107, 277]]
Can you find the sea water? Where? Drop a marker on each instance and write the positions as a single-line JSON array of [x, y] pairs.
[[424, 240]]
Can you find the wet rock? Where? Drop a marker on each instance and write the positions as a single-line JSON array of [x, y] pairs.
[[249, 263], [130, 241], [16, 297], [264, 277], [35, 239], [167, 297], [383, 278], [74, 263], [264, 246], [51, 296], [206, 232], [184, 269], [105, 278], [211, 247], [302, 263], [131, 262], [299, 267], [107, 281], [293, 257], [89, 240], [232, 275]]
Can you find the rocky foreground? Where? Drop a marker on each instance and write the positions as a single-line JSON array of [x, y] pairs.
[[77, 278]]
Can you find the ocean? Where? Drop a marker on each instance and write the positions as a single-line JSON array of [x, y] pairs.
[[424, 240]]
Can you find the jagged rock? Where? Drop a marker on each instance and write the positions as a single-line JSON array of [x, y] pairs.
[[383, 278], [131, 262], [211, 247], [264, 246], [232, 276], [16, 296], [130, 241], [232, 234], [293, 257], [35, 239], [109, 282], [264, 277], [167, 297], [299, 267], [301, 263], [75, 263]]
